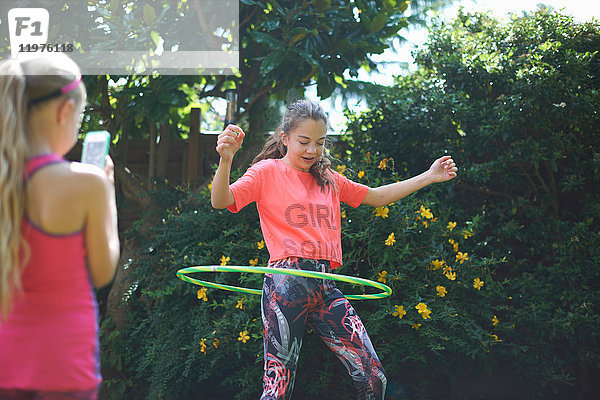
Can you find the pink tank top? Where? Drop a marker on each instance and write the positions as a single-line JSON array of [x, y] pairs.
[[49, 341]]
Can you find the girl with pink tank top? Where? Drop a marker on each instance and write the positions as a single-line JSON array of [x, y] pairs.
[[298, 200], [59, 235]]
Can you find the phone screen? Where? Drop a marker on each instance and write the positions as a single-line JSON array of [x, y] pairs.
[[95, 148]]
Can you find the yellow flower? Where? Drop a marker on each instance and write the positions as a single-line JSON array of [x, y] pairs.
[[382, 212], [261, 244], [495, 321], [454, 244], [451, 276], [477, 283], [240, 304], [244, 337], [383, 164], [344, 214], [441, 291], [381, 276], [447, 269], [496, 338], [216, 343], [400, 311], [210, 186], [451, 225], [423, 310], [253, 263], [203, 346], [467, 234], [361, 174], [224, 260], [416, 326], [202, 294], [437, 264], [426, 223], [390, 240], [425, 213], [341, 168], [462, 257]]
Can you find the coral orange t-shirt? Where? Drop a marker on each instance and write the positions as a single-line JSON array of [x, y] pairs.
[[297, 218]]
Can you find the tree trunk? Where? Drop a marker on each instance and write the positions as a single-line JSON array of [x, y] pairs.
[[152, 152], [193, 158], [122, 147], [255, 137], [121, 284], [162, 151], [132, 186]]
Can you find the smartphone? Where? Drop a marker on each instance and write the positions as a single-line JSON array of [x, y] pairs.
[[95, 148]]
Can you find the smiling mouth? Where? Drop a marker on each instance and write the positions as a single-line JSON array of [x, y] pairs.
[[308, 159]]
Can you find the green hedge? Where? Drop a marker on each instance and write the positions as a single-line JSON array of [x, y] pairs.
[[516, 104]]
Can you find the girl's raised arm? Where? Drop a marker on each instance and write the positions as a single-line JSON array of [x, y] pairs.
[[228, 143], [443, 169], [101, 232]]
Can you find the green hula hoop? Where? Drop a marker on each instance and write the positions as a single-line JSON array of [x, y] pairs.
[[182, 274]]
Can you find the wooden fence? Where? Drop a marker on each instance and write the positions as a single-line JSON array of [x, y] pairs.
[[174, 159]]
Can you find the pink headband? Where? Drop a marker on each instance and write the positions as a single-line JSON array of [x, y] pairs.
[[58, 92], [71, 86]]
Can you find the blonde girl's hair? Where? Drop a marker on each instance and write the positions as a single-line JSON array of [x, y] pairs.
[[295, 113], [22, 84]]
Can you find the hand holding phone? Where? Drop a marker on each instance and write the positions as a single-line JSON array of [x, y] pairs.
[[95, 148]]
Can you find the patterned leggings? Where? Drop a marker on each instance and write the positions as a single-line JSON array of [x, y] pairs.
[[288, 304]]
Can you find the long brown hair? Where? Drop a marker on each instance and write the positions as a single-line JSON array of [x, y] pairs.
[[20, 83], [297, 112]]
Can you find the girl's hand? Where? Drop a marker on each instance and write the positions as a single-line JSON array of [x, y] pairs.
[[109, 169], [443, 169], [229, 142]]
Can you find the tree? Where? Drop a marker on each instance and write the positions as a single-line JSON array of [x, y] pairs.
[[284, 47]]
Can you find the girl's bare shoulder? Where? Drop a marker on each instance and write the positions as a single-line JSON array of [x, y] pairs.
[[81, 180]]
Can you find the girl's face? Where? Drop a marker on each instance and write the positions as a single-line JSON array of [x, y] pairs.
[[305, 144]]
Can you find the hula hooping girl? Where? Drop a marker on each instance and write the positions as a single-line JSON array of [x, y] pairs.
[[298, 199]]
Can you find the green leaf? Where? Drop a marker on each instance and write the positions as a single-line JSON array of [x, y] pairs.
[[114, 5], [379, 22], [252, 3], [296, 38], [322, 5], [155, 37], [305, 55], [404, 5], [266, 39], [272, 25], [149, 15], [271, 62]]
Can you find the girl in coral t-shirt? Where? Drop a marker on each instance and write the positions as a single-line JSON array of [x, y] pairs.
[[298, 199]]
